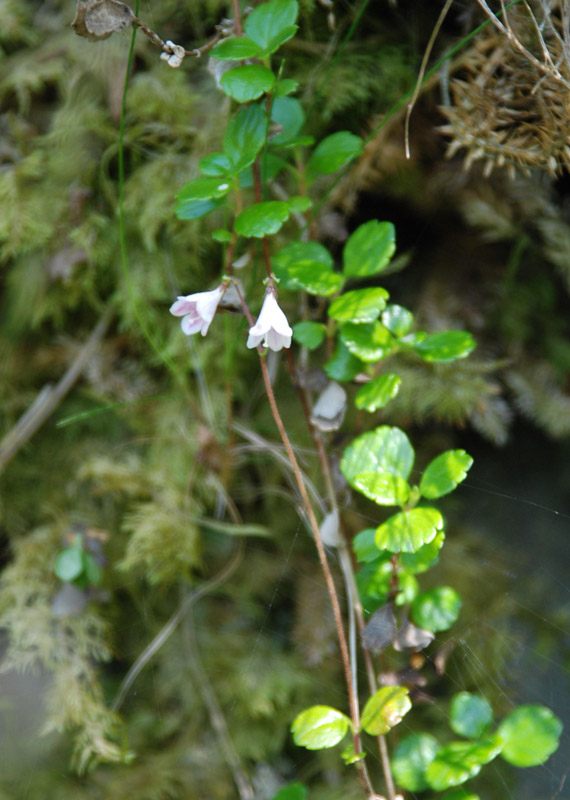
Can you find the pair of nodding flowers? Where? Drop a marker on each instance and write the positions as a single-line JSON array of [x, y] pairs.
[[197, 311]]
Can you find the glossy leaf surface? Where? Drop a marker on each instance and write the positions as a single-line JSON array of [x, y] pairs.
[[444, 473], [385, 449], [397, 319], [529, 735], [215, 164], [262, 219], [382, 488], [369, 341], [407, 531], [444, 346], [437, 609], [385, 709], [378, 392], [288, 113], [364, 546], [425, 557], [236, 49], [203, 189], [360, 305], [458, 761], [319, 727], [343, 366], [470, 715], [369, 249], [245, 136], [411, 759]]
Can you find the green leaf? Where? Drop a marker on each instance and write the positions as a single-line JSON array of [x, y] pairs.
[[411, 759], [286, 86], [425, 557], [385, 709], [293, 791], [262, 219], [383, 488], [364, 546], [437, 609], [360, 305], [529, 735], [369, 249], [319, 727], [271, 166], [343, 366], [407, 531], [458, 761], [309, 334], [385, 449], [247, 82], [444, 346], [91, 569], [349, 755], [461, 794], [334, 152], [378, 392], [245, 136], [203, 189], [216, 164], [470, 715], [397, 319], [236, 49], [222, 236], [288, 113], [297, 252], [194, 209], [69, 564], [272, 23], [308, 266], [444, 473], [370, 341], [299, 203]]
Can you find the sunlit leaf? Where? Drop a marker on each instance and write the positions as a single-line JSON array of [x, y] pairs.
[[382, 488], [378, 392], [444, 473], [309, 334], [319, 727], [262, 219], [203, 189], [458, 761], [407, 531], [334, 152], [411, 759], [443, 346], [385, 709], [397, 319], [385, 449], [437, 609], [349, 756], [247, 82], [470, 715], [69, 564], [369, 249], [369, 341], [425, 557], [529, 735], [360, 305]]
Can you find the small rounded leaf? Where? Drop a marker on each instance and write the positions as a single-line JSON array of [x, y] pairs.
[[407, 531], [378, 392], [204, 189], [411, 759], [333, 153], [385, 449], [470, 715], [262, 219], [437, 609], [293, 791], [364, 546], [444, 473], [215, 164], [270, 22], [309, 334], [360, 305], [385, 709], [236, 49], [529, 735], [425, 557], [370, 341], [247, 82], [458, 761], [397, 319], [69, 564], [288, 113], [369, 249], [245, 136], [383, 488], [444, 346], [319, 727], [343, 366]]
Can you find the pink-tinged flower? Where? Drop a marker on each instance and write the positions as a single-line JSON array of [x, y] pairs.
[[271, 328], [197, 310]]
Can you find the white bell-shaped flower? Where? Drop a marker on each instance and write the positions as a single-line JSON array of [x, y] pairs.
[[271, 329], [197, 310]]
